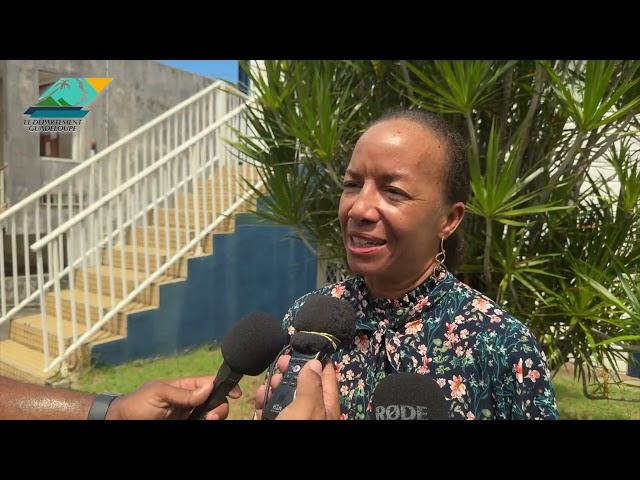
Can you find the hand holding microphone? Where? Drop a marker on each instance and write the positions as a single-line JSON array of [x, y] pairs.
[[317, 396], [323, 326], [248, 349]]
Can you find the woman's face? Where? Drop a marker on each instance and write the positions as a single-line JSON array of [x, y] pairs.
[[392, 209]]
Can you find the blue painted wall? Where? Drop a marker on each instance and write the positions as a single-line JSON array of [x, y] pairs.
[[256, 268]]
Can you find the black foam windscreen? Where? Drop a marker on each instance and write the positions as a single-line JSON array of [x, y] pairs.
[[409, 396], [253, 343], [310, 343], [321, 313]]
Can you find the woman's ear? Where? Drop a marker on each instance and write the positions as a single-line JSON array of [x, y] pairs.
[[455, 214]]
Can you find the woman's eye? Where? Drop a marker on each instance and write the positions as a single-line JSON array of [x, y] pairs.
[[395, 193]]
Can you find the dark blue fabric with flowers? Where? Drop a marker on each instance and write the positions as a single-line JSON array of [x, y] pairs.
[[486, 362]]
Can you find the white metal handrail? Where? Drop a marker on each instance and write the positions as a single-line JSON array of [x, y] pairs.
[[132, 181], [59, 201], [180, 194]]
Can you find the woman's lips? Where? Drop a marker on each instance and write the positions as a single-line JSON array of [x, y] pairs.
[[365, 245]]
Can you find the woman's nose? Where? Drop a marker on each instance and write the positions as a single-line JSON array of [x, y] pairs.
[[365, 206]]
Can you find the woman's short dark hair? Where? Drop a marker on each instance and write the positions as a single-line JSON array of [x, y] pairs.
[[457, 182]]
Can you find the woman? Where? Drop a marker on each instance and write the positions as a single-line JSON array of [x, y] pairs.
[[404, 195]]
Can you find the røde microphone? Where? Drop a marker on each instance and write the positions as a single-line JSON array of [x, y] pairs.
[[408, 396], [248, 349], [324, 324]]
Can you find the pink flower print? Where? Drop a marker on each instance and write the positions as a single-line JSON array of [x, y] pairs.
[[470, 416], [528, 363], [459, 351], [338, 291], [362, 343], [518, 369], [494, 319], [291, 330], [414, 327], [441, 382], [464, 334], [452, 338], [458, 389], [533, 375], [424, 368], [422, 302], [481, 304]]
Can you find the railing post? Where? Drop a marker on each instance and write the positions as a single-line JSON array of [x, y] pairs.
[[3, 291], [85, 276], [58, 301], [72, 291], [14, 260], [43, 307]]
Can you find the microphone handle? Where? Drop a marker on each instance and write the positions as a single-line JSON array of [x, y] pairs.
[[225, 380], [286, 391]]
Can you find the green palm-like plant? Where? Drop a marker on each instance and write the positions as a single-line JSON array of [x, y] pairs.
[[548, 236]]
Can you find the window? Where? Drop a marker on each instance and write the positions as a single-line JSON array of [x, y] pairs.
[[53, 145]]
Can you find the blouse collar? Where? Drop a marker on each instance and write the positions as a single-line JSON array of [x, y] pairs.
[[399, 311]]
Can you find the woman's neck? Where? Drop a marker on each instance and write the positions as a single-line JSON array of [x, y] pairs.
[[391, 289]]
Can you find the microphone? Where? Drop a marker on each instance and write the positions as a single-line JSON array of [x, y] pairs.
[[408, 396], [247, 349], [323, 326]]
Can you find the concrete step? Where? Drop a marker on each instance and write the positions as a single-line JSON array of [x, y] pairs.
[[122, 279], [129, 252], [177, 238], [19, 362], [203, 203], [178, 218], [28, 332], [89, 308], [174, 236]]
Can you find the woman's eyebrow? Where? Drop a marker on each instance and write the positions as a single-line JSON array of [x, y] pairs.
[[385, 177]]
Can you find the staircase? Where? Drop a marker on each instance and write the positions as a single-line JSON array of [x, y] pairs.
[[110, 232]]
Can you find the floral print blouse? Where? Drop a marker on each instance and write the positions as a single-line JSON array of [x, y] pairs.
[[487, 363]]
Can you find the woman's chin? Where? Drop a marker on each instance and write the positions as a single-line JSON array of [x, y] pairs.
[[365, 268]]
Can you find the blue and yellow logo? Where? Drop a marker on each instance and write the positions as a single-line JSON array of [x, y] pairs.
[[67, 97]]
